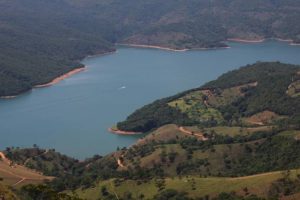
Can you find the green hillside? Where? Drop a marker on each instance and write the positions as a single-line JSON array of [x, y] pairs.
[[260, 89], [191, 187]]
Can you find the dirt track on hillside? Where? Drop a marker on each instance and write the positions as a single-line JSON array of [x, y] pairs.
[[198, 135]]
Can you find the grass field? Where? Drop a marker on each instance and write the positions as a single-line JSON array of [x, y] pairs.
[[195, 186]]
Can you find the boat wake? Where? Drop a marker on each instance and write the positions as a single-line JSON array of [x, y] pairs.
[[122, 88]]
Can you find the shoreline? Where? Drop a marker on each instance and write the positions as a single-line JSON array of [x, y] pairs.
[[239, 40], [57, 79], [245, 41], [51, 83], [120, 132], [290, 41], [144, 46], [101, 54], [60, 78], [8, 97], [78, 70]]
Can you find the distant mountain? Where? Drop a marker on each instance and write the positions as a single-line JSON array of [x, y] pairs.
[[41, 40]]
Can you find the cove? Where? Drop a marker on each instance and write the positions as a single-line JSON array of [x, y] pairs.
[[73, 115]]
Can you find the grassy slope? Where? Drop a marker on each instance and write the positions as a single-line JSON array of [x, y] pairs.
[[47, 161], [257, 184], [226, 159], [18, 175], [193, 105]]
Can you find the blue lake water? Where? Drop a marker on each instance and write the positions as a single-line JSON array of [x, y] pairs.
[[73, 116]]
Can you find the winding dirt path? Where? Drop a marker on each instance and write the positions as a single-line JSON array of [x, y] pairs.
[[198, 135], [20, 181], [255, 175]]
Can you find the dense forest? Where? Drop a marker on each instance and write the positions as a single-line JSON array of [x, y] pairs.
[[41, 40]]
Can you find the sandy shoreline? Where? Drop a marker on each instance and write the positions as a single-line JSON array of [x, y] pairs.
[[245, 41], [8, 97], [290, 41], [53, 82], [75, 71], [168, 49], [119, 132], [62, 77], [59, 78], [283, 40]]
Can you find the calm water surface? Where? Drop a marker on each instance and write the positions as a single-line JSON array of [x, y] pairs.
[[73, 116]]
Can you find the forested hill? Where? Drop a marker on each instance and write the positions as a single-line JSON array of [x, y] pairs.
[[263, 89], [42, 39]]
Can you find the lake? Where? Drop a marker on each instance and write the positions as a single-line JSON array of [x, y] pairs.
[[73, 115]]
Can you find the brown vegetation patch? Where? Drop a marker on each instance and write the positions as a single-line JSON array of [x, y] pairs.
[[164, 133], [262, 118]]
